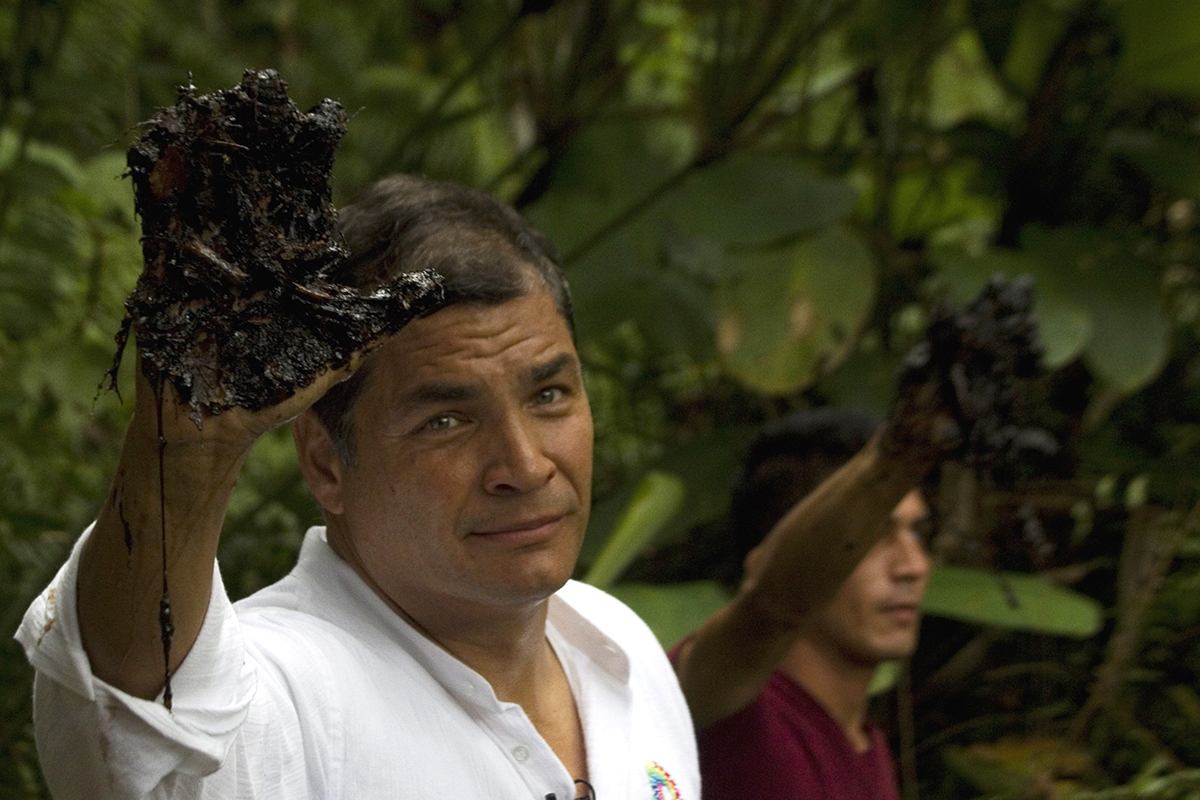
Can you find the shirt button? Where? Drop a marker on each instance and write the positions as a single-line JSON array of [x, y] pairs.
[[521, 753], [468, 688]]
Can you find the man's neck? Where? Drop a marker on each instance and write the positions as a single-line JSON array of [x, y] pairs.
[[840, 686], [504, 644], [510, 650], [508, 647]]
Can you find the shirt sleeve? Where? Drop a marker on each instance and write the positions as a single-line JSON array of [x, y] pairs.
[[97, 741]]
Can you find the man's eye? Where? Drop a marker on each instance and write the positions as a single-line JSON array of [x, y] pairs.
[[923, 528], [441, 422], [549, 395]]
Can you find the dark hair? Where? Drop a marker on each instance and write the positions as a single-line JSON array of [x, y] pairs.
[[485, 252], [785, 462]]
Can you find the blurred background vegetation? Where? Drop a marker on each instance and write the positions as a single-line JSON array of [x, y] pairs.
[[758, 204]]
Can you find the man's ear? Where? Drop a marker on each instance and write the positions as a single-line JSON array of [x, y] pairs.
[[319, 461]]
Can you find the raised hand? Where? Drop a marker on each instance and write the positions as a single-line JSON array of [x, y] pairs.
[[241, 322], [956, 394], [240, 304]]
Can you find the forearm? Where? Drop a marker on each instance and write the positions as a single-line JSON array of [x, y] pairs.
[[123, 569], [797, 570], [818, 543]]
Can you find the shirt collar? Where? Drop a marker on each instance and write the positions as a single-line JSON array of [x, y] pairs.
[[370, 617], [584, 634]]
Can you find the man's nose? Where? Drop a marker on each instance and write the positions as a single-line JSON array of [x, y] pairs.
[[909, 557], [518, 462]]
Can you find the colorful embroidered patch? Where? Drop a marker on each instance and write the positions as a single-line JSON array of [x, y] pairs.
[[660, 783]]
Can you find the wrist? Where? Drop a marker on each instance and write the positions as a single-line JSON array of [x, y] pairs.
[[191, 463]]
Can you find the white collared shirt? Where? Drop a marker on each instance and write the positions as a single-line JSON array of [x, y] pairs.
[[314, 688]]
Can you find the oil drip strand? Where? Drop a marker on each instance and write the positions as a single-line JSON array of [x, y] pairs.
[[166, 622]]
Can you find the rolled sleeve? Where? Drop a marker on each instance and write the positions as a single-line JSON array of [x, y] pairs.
[[96, 740]]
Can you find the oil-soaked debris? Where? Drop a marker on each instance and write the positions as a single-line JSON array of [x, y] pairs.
[[974, 358], [234, 306]]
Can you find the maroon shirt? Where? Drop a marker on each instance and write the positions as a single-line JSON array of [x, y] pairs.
[[785, 746]]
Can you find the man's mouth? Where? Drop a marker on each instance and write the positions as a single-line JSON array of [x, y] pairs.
[[525, 528], [902, 612]]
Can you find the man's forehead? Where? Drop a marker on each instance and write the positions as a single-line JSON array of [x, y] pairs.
[[448, 386], [523, 315], [526, 334]]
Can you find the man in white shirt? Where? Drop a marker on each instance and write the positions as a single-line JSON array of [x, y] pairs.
[[428, 643]]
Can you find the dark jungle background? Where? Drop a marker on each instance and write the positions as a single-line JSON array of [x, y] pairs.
[[758, 204]]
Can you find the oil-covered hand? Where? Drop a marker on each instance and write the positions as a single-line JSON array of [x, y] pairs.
[[237, 305], [957, 390], [240, 324]]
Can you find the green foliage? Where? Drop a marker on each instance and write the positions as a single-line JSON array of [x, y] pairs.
[[792, 314], [757, 204], [1098, 298], [1010, 600], [1160, 45], [675, 610], [656, 499]]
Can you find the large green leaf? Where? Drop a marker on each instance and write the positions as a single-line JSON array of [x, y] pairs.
[[1130, 344], [607, 170], [929, 200], [754, 198], [1010, 600], [865, 380], [622, 280], [618, 272], [1160, 44], [601, 282], [1171, 163], [672, 610], [1064, 321], [1096, 298], [795, 310], [707, 464], [1108, 273], [963, 85], [657, 499]]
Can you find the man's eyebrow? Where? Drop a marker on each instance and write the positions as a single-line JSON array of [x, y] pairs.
[[433, 393], [544, 372]]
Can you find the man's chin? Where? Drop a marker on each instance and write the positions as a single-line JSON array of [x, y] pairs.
[[533, 588], [895, 653], [896, 649]]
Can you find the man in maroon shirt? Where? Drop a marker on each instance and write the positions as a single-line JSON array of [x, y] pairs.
[[780, 700]]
